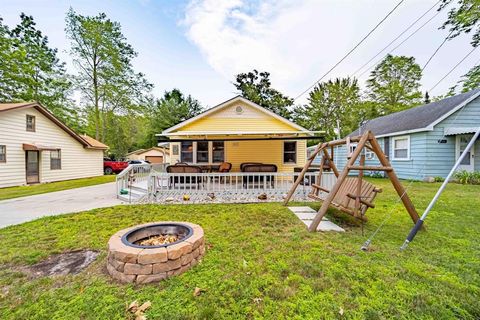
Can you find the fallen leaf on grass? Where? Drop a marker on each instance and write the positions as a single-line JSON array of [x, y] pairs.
[[197, 291], [257, 300], [341, 311], [133, 306], [144, 306]]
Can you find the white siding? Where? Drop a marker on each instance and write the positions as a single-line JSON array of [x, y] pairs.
[[77, 161]]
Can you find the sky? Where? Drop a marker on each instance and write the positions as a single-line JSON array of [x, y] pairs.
[[199, 46]]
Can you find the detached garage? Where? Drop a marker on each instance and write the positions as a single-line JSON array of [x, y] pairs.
[[36, 147], [153, 155]]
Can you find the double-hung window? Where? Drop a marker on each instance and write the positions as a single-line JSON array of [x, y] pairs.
[[30, 123], [202, 151], [401, 148], [218, 151], [290, 152], [186, 154], [3, 153], [55, 160]]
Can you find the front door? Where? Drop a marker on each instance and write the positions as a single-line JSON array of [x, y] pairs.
[[467, 162], [32, 167]]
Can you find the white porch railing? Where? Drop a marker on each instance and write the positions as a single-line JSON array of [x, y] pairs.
[[230, 187], [134, 176]]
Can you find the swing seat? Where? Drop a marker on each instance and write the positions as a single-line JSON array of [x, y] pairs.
[[345, 198]]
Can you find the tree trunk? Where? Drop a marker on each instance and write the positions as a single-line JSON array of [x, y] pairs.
[[95, 97]]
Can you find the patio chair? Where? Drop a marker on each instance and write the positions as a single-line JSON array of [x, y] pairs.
[[260, 179], [242, 165], [225, 167], [184, 168]]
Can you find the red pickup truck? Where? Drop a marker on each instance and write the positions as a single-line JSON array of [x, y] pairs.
[[110, 166]]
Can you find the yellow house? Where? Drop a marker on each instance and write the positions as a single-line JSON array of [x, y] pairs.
[[238, 131]]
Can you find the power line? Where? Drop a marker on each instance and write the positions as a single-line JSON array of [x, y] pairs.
[[435, 52], [451, 70], [401, 34], [353, 49], [401, 43]]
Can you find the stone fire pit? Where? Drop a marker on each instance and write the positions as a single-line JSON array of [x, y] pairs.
[[138, 255]]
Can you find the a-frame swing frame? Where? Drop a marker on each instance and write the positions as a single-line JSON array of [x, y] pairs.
[[366, 140]]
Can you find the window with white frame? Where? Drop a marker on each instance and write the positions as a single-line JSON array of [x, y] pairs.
[[3, 153], [290, 152], [218, 151], [401, 148], [202, 151], [55, 160], [186, 153]]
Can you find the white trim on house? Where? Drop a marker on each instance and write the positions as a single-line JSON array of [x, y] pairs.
[[408, 148], [236, 133], [227, 103]]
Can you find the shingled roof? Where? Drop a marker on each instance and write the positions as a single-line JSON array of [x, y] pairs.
[[417, 118]]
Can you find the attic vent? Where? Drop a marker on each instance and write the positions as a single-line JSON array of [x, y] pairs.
[[239, 110]]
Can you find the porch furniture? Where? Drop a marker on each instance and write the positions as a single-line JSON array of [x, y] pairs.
[[346, 188], [261, 179], [184, 168], [225, 167], [207, 168], [242, 165], [345, 198]]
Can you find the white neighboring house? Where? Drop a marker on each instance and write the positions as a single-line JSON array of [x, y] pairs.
[[36, 147], [153, 155]]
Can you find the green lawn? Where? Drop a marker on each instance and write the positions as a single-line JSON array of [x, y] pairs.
[[22, 191], [262, 263]]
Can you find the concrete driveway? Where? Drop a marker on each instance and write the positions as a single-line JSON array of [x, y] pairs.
[[19, 210]]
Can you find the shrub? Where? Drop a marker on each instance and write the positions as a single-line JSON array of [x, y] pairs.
[[465, 177], [438, 179]]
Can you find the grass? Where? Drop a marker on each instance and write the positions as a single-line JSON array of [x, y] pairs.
[[23, 191], [262, 263]]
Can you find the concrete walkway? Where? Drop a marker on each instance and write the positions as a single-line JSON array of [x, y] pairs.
[[19, 210], [307, 214]]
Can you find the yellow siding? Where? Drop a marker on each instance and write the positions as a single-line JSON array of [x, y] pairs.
[[226, 119], [263, 151]]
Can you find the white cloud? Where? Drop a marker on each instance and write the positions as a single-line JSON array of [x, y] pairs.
[[297, 41]]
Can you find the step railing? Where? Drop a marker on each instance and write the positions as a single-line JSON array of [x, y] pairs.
[[133, 176], [231, 186]]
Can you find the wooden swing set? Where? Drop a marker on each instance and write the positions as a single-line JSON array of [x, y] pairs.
[[352, 195]]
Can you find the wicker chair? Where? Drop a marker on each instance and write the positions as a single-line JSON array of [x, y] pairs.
[[259, 168], [183, 168]]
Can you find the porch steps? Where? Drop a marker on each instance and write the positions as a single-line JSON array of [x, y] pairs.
[[134, 194], [307, 214]]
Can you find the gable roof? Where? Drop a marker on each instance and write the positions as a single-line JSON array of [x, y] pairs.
[[227, 103], [421, 118], [140, 151], [86, 141]]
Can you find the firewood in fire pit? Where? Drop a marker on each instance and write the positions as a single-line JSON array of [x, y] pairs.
[[158, 240]]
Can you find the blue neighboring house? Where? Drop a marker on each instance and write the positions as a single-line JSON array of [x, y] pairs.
[[424, 141]]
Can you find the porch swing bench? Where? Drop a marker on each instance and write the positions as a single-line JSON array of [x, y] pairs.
[[352, 195], [345, 198]]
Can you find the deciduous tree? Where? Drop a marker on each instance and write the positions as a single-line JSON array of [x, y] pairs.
[[257, 87], [394, 84]]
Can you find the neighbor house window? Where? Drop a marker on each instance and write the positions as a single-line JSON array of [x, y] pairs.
[[30, 123], [218, 151], [55, 160], [289, 152], [401, 148], [202, 151], [369, 154], [3, 153], [186, 154]]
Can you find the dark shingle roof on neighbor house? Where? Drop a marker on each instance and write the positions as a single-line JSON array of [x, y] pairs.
[[415, 118]]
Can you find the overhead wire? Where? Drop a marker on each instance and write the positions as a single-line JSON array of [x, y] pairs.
[[454, 67], [397, 37], [401, 43], [351, 50], [436, 50]]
